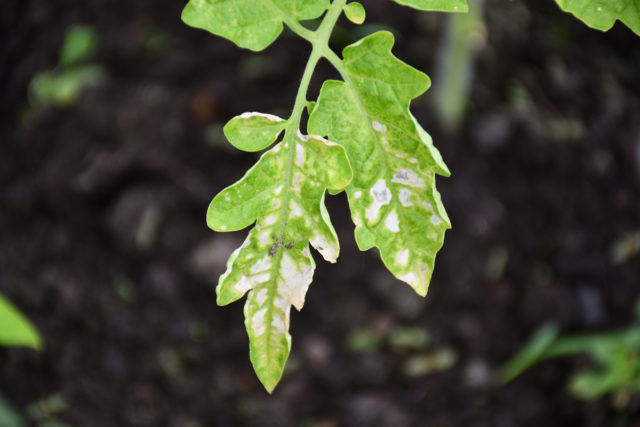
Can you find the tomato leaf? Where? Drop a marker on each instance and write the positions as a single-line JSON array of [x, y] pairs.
[[284, 194], [394, 203], [602, 14]]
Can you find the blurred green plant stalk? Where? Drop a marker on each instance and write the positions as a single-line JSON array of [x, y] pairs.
[[464, 36], [616, 356]]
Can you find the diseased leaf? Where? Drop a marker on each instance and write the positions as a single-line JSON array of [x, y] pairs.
[[254, 131], [393, 199], [394, 203], [436, 5], [251, 24], [602, 14], [284, 194], [15, 329]]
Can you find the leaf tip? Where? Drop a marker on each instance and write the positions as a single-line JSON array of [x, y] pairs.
[[269, 386], [269, 378], [222, 299], [419, 283], [37, 342]]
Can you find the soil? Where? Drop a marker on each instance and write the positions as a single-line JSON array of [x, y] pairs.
[[103, 242]]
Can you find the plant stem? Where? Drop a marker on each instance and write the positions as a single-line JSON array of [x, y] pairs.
[[294, 25], [320, 42]]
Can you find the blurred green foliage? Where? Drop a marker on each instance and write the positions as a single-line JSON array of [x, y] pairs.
[[15, 328], [80, 43], [44, 412], [62, 86], [9, 417], [615, 356]]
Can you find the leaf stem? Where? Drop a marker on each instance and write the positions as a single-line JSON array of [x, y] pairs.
[[294, 25], [319, 39]]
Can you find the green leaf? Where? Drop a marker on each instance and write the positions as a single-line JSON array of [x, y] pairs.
[[9, 416], [615, 356], [63, 88], [394, 203], [284, 194], [251, 24], [15, 329], [355, 12], [602, 14], [530, 354], [80, 43], [436, 5], [254, 131]]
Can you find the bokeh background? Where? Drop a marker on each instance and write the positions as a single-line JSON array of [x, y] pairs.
[[103, 243]]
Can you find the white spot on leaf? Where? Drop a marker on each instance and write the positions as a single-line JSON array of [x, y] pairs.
[[270, 220], [435, 220], [257, 322], [269, 117], [378, 126], [296, 182], [402, 257], [409, 178], [261, 296], [278, 325], [381, 196], [405, 197], [282, 304], [357, 194], [299, 155], [264, 238], [302, 136], [410, 278], [261, 265], [294, 280], [294, 209], [328, 249], [252, 279], [278, 190], [243, 285], [392, 222]]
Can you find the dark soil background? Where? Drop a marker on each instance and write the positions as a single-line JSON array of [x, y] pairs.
[[103, 242]]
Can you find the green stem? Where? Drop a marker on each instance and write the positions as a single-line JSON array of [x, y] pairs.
[[294, 25], [320, 42]]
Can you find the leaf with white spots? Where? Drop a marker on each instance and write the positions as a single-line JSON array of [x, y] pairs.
[[254, 131], [394, 203], [602, 14], [284, 195], [251, 24]]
